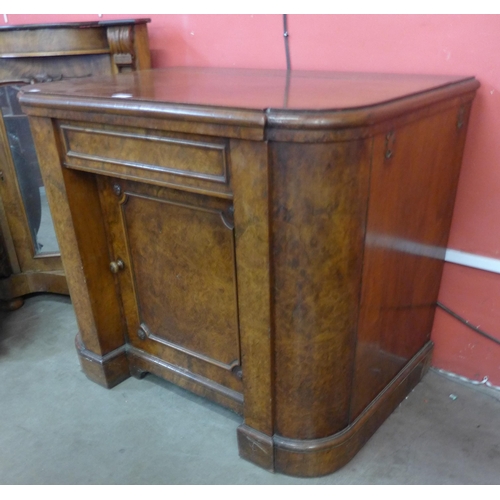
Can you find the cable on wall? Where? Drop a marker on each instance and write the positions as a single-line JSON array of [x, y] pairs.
[[454, 376], [485, 380], [287, 47], [467, 323], [288, 63]]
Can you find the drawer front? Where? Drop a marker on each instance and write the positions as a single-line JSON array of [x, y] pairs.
[[196, 163]]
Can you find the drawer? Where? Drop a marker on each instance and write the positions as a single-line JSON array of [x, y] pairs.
[[196, 163]]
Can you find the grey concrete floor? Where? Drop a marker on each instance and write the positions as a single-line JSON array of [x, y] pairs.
[[57, 427]]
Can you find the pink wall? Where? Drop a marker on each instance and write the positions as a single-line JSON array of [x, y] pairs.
[[447, 44]]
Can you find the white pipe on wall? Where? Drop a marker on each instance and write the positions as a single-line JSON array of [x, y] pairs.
[[472, 260]]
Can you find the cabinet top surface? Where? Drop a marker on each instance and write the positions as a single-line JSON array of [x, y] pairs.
[[252, 89], [311, 98]]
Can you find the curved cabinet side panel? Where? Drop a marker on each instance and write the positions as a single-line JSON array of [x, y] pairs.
[[318, 224]]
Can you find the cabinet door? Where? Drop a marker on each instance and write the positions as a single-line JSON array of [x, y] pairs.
[[174, 258]]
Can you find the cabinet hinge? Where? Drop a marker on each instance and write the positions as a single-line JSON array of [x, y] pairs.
[[461, 117], [390, 138]]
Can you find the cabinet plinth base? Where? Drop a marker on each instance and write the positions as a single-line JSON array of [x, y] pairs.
[[108, 370], [12, 304], [141, 361], [256, 447], [14, 287], [318, 457]]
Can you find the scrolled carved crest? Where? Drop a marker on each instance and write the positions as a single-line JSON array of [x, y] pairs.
[[121, 44]]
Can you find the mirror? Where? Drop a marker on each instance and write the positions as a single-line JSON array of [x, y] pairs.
[[28, 172]]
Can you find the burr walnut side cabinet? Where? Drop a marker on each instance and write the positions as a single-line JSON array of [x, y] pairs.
[[272, 241], [29, 254]]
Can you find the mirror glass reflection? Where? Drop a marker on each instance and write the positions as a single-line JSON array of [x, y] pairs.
[[28, 172]]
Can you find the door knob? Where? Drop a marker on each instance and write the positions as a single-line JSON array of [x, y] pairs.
[[116, 266]]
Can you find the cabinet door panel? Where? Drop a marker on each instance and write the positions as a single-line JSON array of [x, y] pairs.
[[178, 282]]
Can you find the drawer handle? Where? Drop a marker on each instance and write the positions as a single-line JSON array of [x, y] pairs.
[[116, 266]]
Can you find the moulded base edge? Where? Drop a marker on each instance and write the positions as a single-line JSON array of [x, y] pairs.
[[18, 285], [116, 366], [318, 457], [141, 361], [108, 370]]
